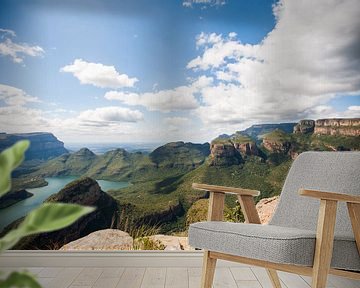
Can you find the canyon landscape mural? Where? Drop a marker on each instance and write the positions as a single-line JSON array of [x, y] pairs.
[[127, 103]]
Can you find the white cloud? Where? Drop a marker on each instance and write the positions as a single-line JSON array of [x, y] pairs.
[[109, 115], [107, 123], [177, 121], [203, 3], [177, 126], [310, 57], [17, 51], [354, 108], [203, 39], [14, 96], [219, 51], [318, 112], [98, 74], [19, 119], [179, 98], [6, 32]]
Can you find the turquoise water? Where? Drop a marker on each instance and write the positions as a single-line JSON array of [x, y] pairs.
[[21, 208]]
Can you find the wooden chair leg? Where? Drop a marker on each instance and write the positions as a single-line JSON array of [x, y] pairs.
[[208, 271], [324, 243], [354, 212], [274, 278]]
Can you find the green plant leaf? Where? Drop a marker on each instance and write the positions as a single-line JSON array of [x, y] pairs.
[[11, 158], [48, 217], [19, 279]]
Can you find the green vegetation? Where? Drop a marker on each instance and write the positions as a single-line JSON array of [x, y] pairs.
[[166, 161], [152, 202], [277, 135], [327, 142], [240, 138], [146, 243], [197, 212], [161, 194], [172, 205], [236, 138]]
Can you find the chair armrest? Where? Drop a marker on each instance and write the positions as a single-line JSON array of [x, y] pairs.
[[353, 205], [225, 190], [216, 201], [323, 195]]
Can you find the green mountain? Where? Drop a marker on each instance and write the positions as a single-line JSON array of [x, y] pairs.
[[263, 167], [121, 165], [256, 131], [43, 146]]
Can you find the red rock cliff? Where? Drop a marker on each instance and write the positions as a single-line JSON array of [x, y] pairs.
[[345, 127]]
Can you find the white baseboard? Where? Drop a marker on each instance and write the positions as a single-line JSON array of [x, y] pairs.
[[36, 258]]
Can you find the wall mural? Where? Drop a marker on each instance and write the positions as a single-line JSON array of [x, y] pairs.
[[127, 103]]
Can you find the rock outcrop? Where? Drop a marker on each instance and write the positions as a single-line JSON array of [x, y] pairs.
[[247, 149], [224, 154], [172, 243], [277, 141], [85, 191], [108, 239], [266, 208], [335, 127], [114, 239], [43, 145], [304, 127], [344, 127], [275, 146]]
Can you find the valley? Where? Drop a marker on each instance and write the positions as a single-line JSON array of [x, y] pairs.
[[160, 194]]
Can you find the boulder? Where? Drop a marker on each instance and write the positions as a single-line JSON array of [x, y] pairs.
[[266, 208], [172, 243], [108, 239]]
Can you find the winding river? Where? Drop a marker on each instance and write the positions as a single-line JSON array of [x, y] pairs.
[[20, 209]]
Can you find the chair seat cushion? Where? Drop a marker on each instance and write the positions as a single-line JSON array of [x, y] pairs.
[[270, 243]]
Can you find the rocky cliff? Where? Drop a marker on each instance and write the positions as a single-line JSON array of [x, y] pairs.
[[277, 141], [85, 191], [232, 150], [304, 127], [43, 145], [224, 154], [345, 127]]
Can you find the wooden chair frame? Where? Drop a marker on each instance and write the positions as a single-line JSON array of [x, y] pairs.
[[324, 235]]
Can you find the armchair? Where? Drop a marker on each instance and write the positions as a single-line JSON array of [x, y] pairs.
[[313, 232]]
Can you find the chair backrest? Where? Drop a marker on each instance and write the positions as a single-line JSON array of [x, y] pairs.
[[325, 171]]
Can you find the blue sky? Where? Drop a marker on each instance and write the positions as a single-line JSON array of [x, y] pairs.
[[129, 71]]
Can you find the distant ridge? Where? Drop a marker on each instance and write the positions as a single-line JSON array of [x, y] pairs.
[[122, 165], [43, 145]]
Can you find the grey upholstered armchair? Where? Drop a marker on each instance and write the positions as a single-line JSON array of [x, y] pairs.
[[315, 230]]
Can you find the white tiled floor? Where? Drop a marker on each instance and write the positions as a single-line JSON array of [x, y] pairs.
[[170, 277]]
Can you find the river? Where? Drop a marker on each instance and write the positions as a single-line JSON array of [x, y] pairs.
[[22, 208]]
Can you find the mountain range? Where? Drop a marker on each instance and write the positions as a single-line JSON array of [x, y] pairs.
[[161, 194]]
